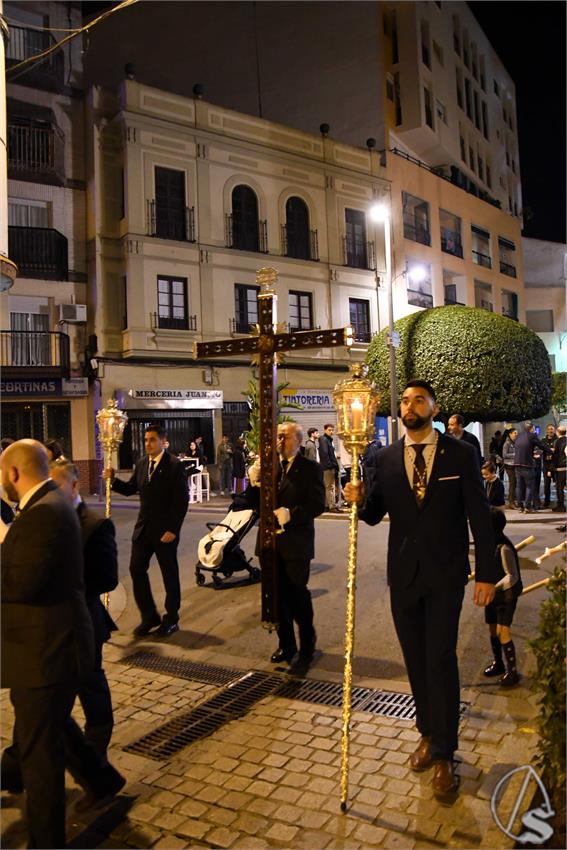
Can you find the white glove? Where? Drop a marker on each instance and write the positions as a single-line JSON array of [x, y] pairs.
[[282, 515], [254, 473]]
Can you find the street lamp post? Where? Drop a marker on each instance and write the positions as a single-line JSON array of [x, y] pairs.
[[380, 212]]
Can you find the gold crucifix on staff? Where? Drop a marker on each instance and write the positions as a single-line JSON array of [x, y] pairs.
[[266, 343]]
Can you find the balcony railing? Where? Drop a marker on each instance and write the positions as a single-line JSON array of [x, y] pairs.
[[416, 232], [294, 328], [180, 227], [169, 323], [35, 152], [25, 43], [358, 254], [46, 352], [481, 259], [300, 248], [360, 335], [451, 243], [246, 237], [39, 252], [507, 268], [240, 327]]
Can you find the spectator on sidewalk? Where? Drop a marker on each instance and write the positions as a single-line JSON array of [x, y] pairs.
[[224, 463], [508, 454], [312, 445], [456, 428], [494, 487], [239, 466], [524, 465], [560, 468], [330, 465], [369, 459], [548, 474]]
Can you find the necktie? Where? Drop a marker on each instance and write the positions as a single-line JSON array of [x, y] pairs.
[[285, 464], [419, 473], [151, 469]]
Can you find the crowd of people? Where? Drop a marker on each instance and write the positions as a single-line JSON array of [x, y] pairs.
[[59, 556]]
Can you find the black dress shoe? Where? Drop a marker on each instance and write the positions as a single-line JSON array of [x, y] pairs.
[[146, 627], [167, 629], [300, 666], [92, 800], [280, 655]]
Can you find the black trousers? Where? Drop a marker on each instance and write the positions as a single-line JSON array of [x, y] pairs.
[[166, 553], [41, 715], [547, 479], [427, 624], [95, 698], [295, 606], [560, 487]]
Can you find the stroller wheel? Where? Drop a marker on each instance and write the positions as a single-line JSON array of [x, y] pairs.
[[255, 574], [217, 580], [200, 579]]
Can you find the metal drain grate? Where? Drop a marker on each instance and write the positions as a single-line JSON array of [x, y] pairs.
[[240, 692], [323, 693], [229, 704], [209, 674]]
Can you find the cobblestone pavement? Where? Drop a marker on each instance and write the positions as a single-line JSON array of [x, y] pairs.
[[271, 777]]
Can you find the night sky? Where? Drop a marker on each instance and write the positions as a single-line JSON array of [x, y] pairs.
[[529, 38]]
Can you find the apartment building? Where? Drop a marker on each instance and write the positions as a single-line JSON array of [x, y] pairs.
[[189, 201], [546, 279], [43, 318]]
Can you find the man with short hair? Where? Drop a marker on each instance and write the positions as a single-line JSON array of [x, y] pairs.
[[162, 485], [429, 484], [47, 639], [524, 466], [224, 463], [330, 464], [456, 428], [301, 498], [311, 448]]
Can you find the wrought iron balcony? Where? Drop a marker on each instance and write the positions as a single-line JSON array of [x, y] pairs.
[[360, 335], [302, 246], [481, 259], [358, 254], [246, 236], [240, 327], [35, 153], [508, 269], [45, 354], [25, 43], [178, 226], [39, 252], [186, 323]]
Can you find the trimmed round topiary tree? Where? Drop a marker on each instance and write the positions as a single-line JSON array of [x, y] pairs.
[[487, 367]]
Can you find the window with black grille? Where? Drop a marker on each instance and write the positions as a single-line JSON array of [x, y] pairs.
[[300, 311], [245, 223], [172, 303], [245, 307], [359, 313], [170, 204]]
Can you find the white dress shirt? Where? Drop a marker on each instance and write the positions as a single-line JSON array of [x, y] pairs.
[[430, 443]]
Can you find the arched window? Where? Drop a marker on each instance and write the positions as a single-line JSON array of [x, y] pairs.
[[297, 229], [245, 225]]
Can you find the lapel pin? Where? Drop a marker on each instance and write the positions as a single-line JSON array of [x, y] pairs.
[[442, 451]]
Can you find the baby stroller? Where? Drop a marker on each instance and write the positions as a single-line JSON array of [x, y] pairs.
[[219, 550]]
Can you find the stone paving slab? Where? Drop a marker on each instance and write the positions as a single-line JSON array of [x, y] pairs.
[[270, 779]]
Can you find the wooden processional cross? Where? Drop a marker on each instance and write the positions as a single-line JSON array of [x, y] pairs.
[[267, 342]]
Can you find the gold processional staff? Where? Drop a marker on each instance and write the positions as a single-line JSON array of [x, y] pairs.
[[111, 423], [355, 400]]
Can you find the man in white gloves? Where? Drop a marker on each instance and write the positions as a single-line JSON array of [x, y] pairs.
[[301, 498]]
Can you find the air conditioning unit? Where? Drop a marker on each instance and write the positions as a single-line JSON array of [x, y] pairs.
[[73, 313]]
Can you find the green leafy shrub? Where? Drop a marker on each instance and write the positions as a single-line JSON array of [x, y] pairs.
[[252, 396], [549, 683], [487, 367]]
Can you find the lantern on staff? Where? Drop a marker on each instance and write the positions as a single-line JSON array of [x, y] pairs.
[[355, 400], [111, 423]]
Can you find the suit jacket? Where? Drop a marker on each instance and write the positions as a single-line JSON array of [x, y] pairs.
[[163, 500], [435, 535], [100, 557], [327, 456], [559, 460], [471, 440], [302, 492], [47, 635]]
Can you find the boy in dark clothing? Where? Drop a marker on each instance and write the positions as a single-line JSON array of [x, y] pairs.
[[499, 613]]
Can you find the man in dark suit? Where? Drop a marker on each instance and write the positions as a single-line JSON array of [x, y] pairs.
[[559, 463], [100, 557], [456, 428], [430, 484], [301, 498], [162, 485], [47, 639]]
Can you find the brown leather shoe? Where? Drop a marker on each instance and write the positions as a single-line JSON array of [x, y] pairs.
[[445, 781], [421, 758]]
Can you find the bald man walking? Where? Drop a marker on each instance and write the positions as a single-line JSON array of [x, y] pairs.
[[47, 638]]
